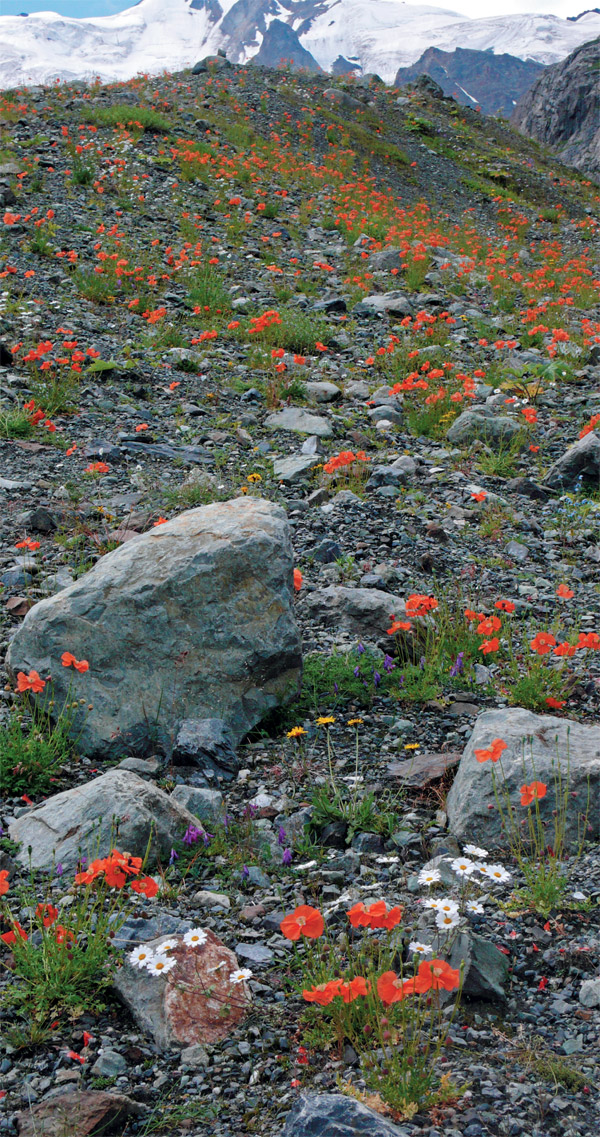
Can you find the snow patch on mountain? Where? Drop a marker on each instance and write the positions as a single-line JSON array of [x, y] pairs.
[[169, 35]]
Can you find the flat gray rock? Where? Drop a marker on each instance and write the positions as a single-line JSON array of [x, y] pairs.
[[582, 460], [83, 821], [293, 469], [190, 620], [364, 612], [335, 1115], [482, 423], [300, 421]]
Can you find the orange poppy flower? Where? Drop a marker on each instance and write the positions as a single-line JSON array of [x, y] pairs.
[[418, 605], [434, 974], [490, 645], [47, 913], [554, 704], [542, 643], [68, 660], [564, 592], [390, 988], [505, 605], [356, 988], [481, 496], [297, 580], [303, 921], [488, 626], [11, 937], [537, 790], [375, 916], [399, 626], [145, 887], [493, 753], [588, 639], [565, 649], [30, 682], [4, 885], [323, 993]]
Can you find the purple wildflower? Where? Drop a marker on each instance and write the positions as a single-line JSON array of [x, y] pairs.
[[287, 857], [192, 834], [376, 678], [173, 857], [281, 836], [361, 649], [245, 873], [207, 838], [388, 664], [458, 666], [357, 671], [59, 869]]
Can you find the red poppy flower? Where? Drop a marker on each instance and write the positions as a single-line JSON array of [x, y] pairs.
[[47, 913], [537, 790], [297, 580], [505, 605], [323, 993], [554, 704], [434, 974], [390, 988], [145, 887], [4, 885], [11, 937], [68, 660], [493, 753], [490, 645], [356, 988], [30, 682], [542, 643], [303, 921], [488, 626], [564, 592]]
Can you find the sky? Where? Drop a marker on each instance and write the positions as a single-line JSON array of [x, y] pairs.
[[473, 8]]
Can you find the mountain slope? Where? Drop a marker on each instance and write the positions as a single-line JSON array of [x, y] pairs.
[[476, 78], [563, 108], [157, 35]]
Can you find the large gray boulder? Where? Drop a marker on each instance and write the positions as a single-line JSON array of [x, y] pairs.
[[580, 461], [118, 810], [192, 620], [537, 746]]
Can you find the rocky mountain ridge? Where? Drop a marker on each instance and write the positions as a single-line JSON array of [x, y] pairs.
[[562, 109], [490, 81]]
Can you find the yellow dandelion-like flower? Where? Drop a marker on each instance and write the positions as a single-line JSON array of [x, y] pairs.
[[325, 720], [412, 746], [354, 722], [254, 478], [296, 731]]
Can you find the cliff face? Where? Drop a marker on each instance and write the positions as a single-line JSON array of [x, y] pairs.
[[476, 78], [563, 109]]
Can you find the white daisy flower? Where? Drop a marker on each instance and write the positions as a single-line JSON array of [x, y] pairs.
[[474, 851], [462, 866], [429, 876], [447, 905], [160, 965], [167, 945], [240, 975], [498, 873], [475, 906], [195, 937], [447, 920], [420, 949], [140, 956], [482, 868]]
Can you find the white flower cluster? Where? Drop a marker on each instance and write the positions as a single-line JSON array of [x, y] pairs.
[[157, 962], [446, 909]]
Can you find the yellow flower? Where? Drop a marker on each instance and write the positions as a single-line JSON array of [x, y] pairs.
[[324, 720], [412, 746], [254, 478], [354, 722], [296, 731]]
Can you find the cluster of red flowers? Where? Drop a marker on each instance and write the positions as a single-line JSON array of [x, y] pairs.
[[259, 323], [115, 869], [344, 459]]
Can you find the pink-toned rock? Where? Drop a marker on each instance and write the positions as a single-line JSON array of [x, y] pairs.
[[194, 1003], [77, 1114]]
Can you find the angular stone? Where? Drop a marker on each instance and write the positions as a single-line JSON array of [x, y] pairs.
[[193, 1003], [364, 612], [394, 303], [322, 392], [482, 423], [335, 1115], [79, 1113], [295, 468], [193, 618], [205, 804], [206, 746], [589, 993], [537, 741], [82, 821], [300, 421], [582, 460], [422, 769]]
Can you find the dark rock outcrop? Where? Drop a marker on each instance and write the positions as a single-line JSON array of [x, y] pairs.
[[476, 78], [563, 109], [281, 47]]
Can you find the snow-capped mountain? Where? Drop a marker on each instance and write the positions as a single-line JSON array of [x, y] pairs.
[[158, 35]]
